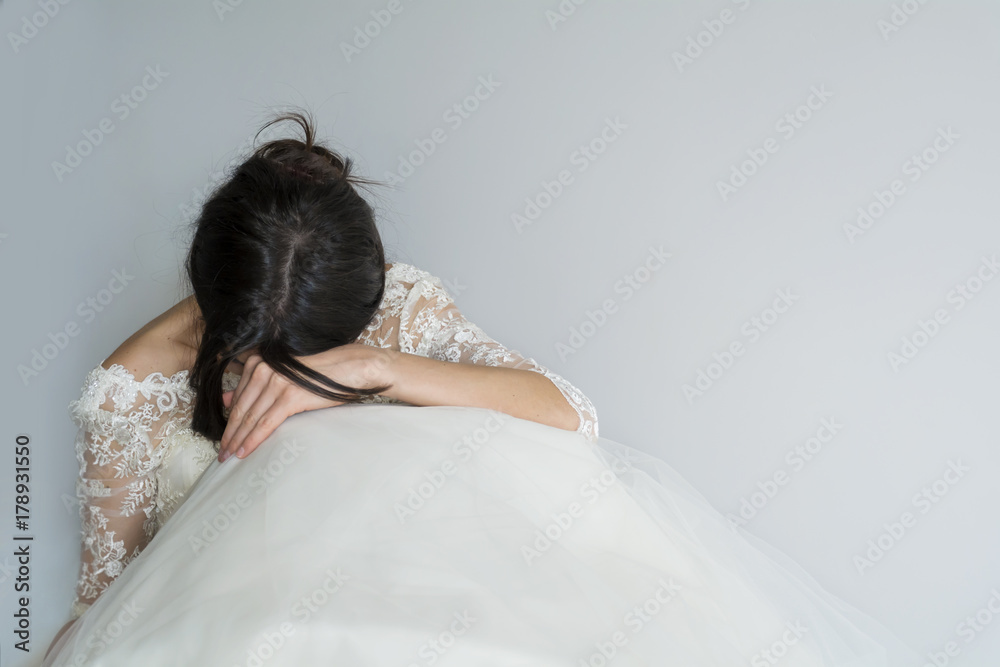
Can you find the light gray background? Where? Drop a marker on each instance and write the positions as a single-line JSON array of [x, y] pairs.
[[125, 206]]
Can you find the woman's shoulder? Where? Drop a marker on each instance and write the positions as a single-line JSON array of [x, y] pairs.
[[144, 365], [147, 366], [401, 272], [156, 353], [406, 289], [410, 289], [404, 278]]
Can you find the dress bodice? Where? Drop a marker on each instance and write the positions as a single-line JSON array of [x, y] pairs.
[[184, 457], [139, 457]]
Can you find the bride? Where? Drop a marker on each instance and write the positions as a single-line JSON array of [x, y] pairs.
[[229, 519]]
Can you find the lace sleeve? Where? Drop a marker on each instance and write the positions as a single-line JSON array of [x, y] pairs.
[[431, 325], [117, 418]]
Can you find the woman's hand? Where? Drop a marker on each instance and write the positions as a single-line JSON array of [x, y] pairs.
[[264, 398]]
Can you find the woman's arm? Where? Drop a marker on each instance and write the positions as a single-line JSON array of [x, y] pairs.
[[442, 359], [520, 393], [431, 326], [118, 419]]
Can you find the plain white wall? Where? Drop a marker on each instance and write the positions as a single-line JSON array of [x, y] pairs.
[[892, 78]]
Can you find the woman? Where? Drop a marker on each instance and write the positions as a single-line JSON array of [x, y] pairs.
[[493, 526]]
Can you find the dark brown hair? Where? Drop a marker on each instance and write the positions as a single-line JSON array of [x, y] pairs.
[[285, 260]]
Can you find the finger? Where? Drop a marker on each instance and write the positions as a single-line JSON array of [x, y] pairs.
[[251, 363], [244, 395], [238, 415], [247, 421], [265, 426], [232, 420]]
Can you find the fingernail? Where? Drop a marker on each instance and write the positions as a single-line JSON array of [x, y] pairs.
[[224, 456], [239, 453]]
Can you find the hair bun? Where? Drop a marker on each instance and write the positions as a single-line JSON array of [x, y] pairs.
[[305, 159]]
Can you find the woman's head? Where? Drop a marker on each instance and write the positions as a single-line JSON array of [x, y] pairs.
[[285, 261]]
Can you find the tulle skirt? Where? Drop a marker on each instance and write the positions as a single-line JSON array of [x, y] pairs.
[[394, 535]]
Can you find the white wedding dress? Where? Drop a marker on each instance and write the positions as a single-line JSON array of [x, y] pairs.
[[370, 535]]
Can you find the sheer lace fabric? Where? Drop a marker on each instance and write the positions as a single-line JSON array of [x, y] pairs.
[[138, 456]]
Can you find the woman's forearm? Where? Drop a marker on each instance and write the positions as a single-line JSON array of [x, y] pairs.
[[517, 392]]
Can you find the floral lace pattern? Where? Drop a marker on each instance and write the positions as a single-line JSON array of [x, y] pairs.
[[429, 324], [138, 456]]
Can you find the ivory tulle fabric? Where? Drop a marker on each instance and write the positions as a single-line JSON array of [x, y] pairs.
[[394, 535]]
